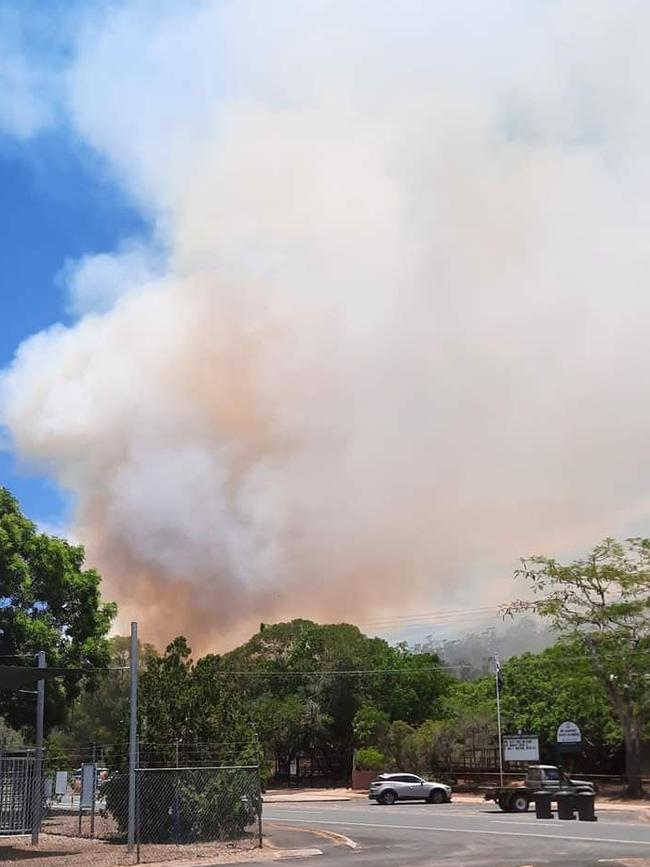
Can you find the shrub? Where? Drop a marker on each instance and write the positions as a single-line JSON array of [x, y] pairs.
[[370, 759], [186, 806]]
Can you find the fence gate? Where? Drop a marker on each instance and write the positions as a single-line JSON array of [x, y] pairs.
[[16, 794]]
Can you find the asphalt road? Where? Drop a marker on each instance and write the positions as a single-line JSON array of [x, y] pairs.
[[463, 835]]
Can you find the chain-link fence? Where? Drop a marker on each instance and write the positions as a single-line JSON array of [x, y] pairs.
[[180, 812], [16, 794], [197, 807], [78, 813]]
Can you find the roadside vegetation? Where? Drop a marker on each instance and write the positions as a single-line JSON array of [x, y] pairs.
[[310, 698]]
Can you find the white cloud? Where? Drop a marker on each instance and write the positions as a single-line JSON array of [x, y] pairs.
[[96, 281]]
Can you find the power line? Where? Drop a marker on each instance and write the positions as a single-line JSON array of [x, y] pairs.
[[341, 673], [431, 615], [415, 618], [442, 666], [537, 659]]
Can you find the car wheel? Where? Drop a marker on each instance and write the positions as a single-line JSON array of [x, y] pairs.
[[519, 804], [388, 798], [437, 797]]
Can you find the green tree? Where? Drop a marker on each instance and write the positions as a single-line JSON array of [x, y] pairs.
[[602, 602], [370, 759], [338, 670], [370, 725], [399, 746], [10, 739], [99, 715], [543, 690], [192, 710], [467, 699], [280, 726], [49, 602]]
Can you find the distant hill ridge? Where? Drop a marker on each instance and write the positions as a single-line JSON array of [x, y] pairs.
[[474, 652]]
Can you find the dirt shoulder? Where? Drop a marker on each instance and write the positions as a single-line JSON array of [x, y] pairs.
[[289, 796], [59, 851]]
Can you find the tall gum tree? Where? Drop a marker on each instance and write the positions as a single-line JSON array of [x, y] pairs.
[[602, 602]]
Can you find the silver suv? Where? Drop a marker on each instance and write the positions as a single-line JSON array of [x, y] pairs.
[[388, 788]]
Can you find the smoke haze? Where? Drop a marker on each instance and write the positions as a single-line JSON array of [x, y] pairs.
[[389, 332]]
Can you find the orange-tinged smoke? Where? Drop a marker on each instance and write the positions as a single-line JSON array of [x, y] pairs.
[[389, 333]]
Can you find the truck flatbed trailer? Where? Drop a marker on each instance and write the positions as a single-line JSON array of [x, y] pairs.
[[539, 778]]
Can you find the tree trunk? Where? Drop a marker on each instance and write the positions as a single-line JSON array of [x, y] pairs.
[[631, 723], [633, 779]]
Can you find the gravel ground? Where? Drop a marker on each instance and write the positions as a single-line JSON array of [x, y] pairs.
[[58, 851]]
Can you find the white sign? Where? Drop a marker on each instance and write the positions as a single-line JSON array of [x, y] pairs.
[[568, 733], [87, 785], [61, 784], [521, 748]]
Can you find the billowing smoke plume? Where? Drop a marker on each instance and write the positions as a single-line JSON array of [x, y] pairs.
[[391, 330]]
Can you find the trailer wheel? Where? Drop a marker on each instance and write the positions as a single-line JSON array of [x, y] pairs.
[[519, 804], [504, 804]]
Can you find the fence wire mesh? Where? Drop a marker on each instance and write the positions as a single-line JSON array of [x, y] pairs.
[[16, 794], [72, 814], [197, 807], [180, 812]]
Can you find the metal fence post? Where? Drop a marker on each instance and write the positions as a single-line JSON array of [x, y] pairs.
[[94, 800], [260, 805], [37, 796], [4, 786], [133, 729], [137, 816]]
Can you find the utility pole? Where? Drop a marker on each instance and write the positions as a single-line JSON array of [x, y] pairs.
[[497, 680], [133, 734], [37, 797]]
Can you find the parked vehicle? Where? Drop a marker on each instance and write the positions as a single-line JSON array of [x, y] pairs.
[[539, 778], [388, 788]]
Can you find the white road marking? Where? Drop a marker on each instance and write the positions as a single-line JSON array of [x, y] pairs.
[[536, 824], [331, 835], [495, 817], [296, 853], [350, 824]]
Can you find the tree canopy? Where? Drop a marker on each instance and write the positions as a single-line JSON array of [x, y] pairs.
[[602, 604], [307, 684], [50, 602], [190, 709], [320, 692]]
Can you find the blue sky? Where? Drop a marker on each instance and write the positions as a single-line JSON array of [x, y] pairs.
[[57, 204]]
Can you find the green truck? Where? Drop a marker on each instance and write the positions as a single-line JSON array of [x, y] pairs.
[[539, 778]]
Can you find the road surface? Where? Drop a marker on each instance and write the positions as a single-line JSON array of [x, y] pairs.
[[475, 835]]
